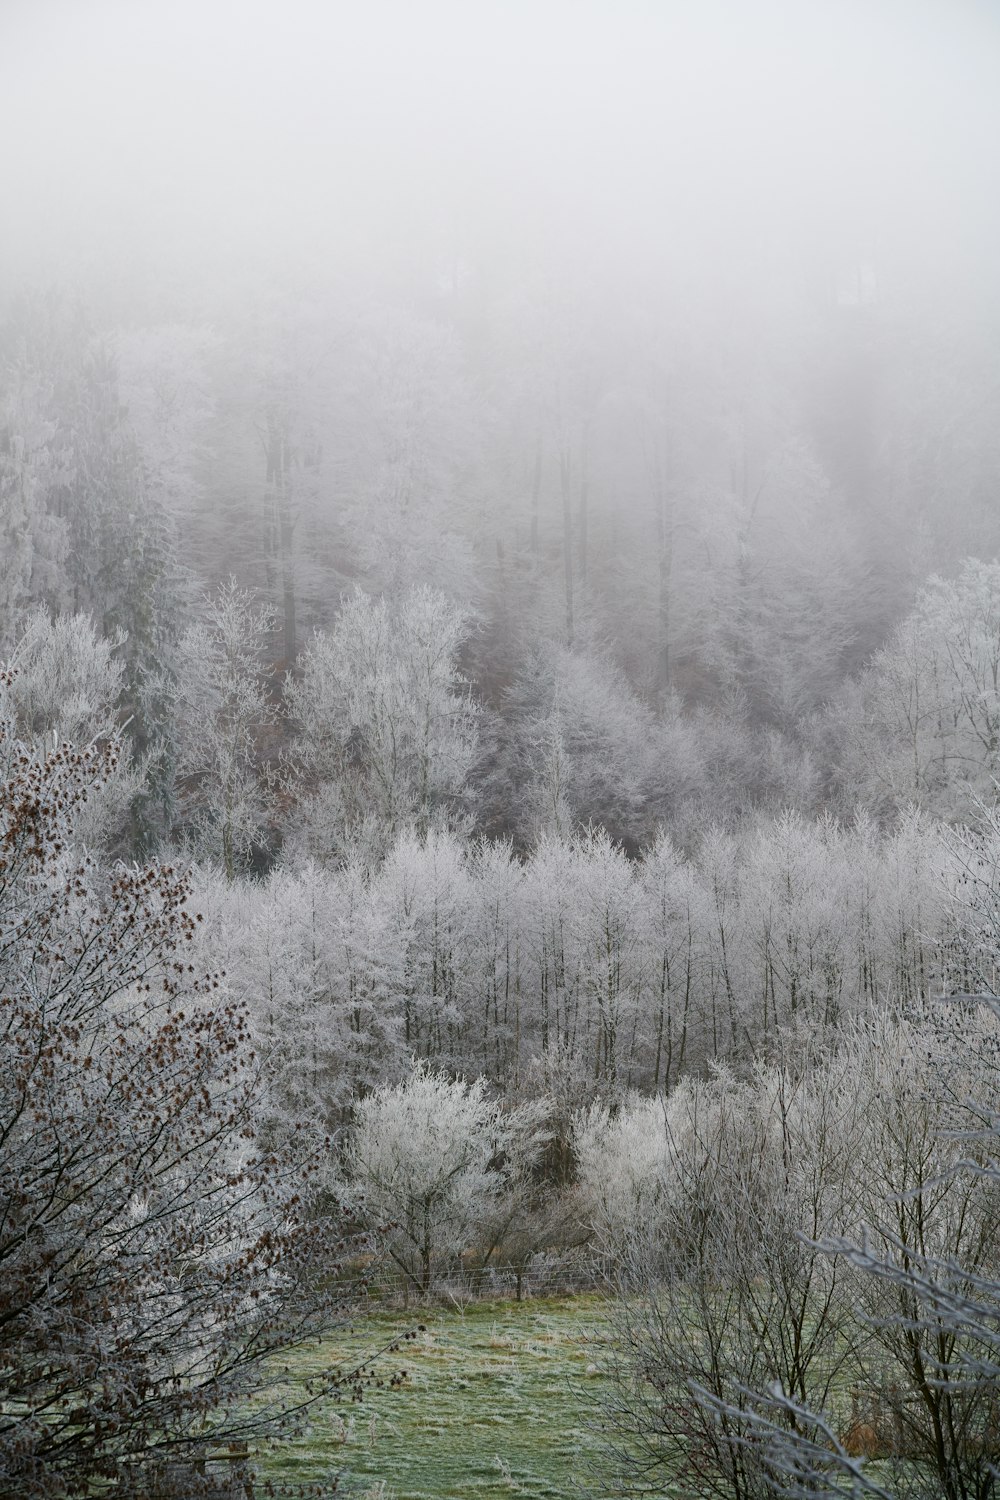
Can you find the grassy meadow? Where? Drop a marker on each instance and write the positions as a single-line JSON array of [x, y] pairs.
[[498, 1401]]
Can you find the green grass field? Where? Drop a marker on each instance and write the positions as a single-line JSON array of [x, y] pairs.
[[498, 1400]]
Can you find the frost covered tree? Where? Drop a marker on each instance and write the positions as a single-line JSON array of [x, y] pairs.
[[621, 1163], [221, 709], [389, 728], [102, 531], [68, 683], [426, 1154], [68, 686], [812, 1280], [779, 614], [424, 890], [922, 723], [585, 748], [711, 1204], [672, 898], [496, 936], [921, 1253], [609, 915], [153, 1254], [931, 1220], [311, 955]]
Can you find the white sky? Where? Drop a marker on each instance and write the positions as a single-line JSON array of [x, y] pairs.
[[202, 132]]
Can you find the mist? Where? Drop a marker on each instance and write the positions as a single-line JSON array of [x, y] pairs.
[[499, 746], [658, 342], [610, 141]]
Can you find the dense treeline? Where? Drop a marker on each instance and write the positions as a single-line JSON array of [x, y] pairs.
[[623, 974], [500, 722], [682, 551], [585, 784]]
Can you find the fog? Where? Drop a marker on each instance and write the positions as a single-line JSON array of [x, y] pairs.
[[643, 358], [500, 616], [619, 139]]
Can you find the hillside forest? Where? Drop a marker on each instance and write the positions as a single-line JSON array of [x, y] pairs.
[[500, 737]]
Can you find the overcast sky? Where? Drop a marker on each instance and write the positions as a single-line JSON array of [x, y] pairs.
[[137, 133]]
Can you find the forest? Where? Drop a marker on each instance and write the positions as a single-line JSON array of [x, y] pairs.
[[500, 736]]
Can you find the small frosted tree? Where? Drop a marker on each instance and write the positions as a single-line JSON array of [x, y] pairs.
[[68, 681], [427, 1154], [712, 1221], [922, 1256], [622, 1162]]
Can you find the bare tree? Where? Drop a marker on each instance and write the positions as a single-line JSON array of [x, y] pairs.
[[154, 1255], [917, 1412], [717, 1292]]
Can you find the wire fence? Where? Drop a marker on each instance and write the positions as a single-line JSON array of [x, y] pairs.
[[226, 1473], [459, 1284]]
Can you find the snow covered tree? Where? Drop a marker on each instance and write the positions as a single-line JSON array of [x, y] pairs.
[[388, 724], [922, 723], [496, 937], [585, 748], [427, 1153], [672, 900], [104, 538], [779, 615], [621, 1161], [221, 709], [310, 953], [424, 890], [722, 1287], [609, 935], [68, 685], [922, 1257], [153, 1254], [931, 1220]]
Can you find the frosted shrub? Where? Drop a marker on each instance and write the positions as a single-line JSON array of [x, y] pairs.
[[623, 1162], [425, 1155]]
